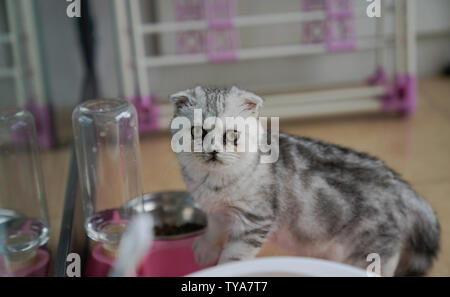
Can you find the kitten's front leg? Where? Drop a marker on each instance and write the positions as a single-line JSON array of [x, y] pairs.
[[207, 248], [244, 242]]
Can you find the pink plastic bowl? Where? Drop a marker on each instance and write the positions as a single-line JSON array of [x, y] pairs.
[[166, 258], [169, 255], [170, 258]]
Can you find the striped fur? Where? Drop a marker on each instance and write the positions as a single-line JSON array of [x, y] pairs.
[[318, 199]]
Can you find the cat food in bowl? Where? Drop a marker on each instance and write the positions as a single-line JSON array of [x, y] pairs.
[[171, 230], [178, 222]]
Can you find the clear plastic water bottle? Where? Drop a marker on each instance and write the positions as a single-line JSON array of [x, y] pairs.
[[24, 225], [108, 155]]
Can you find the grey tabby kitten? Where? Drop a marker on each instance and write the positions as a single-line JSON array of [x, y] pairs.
[[317, 200]]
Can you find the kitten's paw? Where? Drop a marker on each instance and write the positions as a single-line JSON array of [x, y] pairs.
[[226, 257], [223, 260], [205, 252]]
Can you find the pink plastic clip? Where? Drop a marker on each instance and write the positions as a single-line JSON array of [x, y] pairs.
[[222, 40], [336, 31], [190, 42], [222, 45], [187, 10], [340, 31], [310, 5], [220, 13], [342, 8], [313, 32]]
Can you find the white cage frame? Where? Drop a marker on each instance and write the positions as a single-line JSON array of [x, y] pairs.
[[134, 64]]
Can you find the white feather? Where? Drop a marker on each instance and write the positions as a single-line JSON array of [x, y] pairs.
[[134, 246]]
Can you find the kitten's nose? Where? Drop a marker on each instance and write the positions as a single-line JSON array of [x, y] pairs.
[[213, 155]]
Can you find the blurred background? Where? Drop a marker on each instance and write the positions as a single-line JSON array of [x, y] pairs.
[[325, 67]]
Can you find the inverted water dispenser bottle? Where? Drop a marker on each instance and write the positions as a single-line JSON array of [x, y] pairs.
[[108, 155], [24, 226]]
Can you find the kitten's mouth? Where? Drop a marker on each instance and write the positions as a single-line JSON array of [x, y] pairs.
[[212, 158]]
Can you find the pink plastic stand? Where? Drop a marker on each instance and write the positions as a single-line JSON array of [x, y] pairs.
[[379, 77], [166, 258], [148, 113], [401, 95], [99, 264], [39, 269]]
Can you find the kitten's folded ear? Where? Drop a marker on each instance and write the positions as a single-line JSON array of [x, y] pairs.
[[252, 102], [182, 99]]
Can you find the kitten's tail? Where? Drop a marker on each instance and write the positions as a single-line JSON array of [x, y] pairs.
[[422, 246]]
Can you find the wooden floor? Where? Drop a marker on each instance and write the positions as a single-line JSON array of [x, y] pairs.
[[418, 147]]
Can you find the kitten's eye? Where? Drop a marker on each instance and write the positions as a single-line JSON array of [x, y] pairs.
[[231, 137], [197, 132]]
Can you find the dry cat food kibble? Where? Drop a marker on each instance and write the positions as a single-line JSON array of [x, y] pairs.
[[168, 229]]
